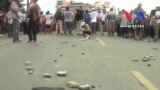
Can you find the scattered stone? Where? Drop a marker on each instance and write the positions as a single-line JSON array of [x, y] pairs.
[[145, 59], [85, 87], [30, 68], [62, 73], [83, 53], [135, 60], [93, 86], [57, 48], [149, 65], [28, 63], [30, 72], [55, 60], [46, 75], [73, 84], [61, 55], [151, 55]]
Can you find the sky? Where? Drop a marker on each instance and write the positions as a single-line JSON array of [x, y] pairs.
[[128, 5]]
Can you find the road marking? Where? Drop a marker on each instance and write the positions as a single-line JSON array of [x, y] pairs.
[[143, 80], [100, 41]]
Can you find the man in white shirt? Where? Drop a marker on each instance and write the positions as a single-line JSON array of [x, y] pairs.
[[101, 21], [157, 26], [93, 16]]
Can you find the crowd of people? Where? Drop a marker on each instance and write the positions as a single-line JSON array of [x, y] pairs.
[[135, 24]]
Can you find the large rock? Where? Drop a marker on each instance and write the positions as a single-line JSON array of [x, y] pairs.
[[73, 84], [62, 73], [85, 87]]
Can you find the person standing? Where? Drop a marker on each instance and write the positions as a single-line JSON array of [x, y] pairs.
[[103, 21], [111, 19], [15, 11], [139, 21], [93, 16], [124, 25], [34, 15], [59, 21], [78, 19], [86, 17], [118, 22], [157, 25], [68, 21]]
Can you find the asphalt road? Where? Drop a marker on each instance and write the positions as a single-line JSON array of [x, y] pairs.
[[107, 67]]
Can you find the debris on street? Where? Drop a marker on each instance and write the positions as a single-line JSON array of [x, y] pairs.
[[85, 87], [46, 75], [73, 84], [28, 63], [62, 73], [29, 68]]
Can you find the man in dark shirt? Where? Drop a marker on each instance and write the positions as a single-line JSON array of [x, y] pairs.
[[78, 19], [59, 24]]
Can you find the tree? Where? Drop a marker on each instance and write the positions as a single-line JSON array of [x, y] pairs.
[[5, 5]]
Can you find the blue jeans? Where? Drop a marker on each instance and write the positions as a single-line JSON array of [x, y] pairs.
[[68, 26]]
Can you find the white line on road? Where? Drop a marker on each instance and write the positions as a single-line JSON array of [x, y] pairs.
[[100, 41], [142, 79]]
